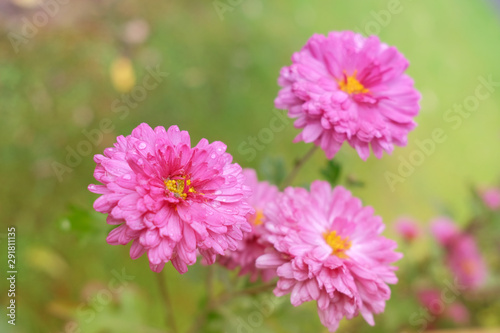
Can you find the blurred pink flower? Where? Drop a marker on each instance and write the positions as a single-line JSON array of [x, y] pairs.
[[345, 87], [466, 262], [458, 313], [439, 306], [407, 228], [170, 199], [462, 255], [431, 300], [491, 198], [253, 245], [328, 248], [136, 31], [444, 230]]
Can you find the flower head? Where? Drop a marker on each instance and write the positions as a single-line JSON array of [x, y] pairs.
[[328, 248], [171, 199], [462, 254], [444, 230], [253, 244], [431, 299], [465, 261], [458, 313], [407, 228], [491, 198], [345, 87]]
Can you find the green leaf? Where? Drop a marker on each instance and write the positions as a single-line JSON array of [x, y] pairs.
[[83, 222], [332, 172]]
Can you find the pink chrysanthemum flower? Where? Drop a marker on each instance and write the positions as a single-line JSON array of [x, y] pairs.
[[407, 228], [491, 198], [465, 261], [431, 300], [345, 87], [444, 230], [171, 200], [328, 248], [253, 245], [458, 313], [462, 254]]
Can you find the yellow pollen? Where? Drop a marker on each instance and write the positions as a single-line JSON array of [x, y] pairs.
[[338, 244], [351, 85], [178, 187], [259, 217]]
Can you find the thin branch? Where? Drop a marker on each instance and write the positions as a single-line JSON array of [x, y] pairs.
[[162, 285], [224, 298], [248, 291], [298, 165], [210, 283]]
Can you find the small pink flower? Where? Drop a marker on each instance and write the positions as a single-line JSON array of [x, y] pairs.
[[462, 255], [458, 313], [465, 261], [407, 228], [328, 248], [491, 198], [439, 306], [345, 87], [444, 230], [170, 199], [253, 245], [431, 300]]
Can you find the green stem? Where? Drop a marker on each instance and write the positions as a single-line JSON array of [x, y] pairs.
[[248, 291], [162, 285], [210, 284], [222, 299], [298, 165]]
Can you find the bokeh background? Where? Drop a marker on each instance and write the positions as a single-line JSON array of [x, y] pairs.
[[61, 76]]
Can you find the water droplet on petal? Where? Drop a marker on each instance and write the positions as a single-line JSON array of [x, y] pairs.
[[127, 177], [142, 145]]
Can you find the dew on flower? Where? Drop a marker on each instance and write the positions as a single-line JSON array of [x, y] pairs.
[[160, 222]]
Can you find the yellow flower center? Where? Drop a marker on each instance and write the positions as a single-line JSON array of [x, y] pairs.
[[351, 85], [258, 218], [179, 186], [338, 244]]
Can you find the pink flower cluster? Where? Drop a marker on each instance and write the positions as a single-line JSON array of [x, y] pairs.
[[174, 201]]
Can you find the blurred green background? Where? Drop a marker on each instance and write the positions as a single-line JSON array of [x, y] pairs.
[[72, 70]]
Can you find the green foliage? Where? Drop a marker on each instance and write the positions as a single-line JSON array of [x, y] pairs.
[[332, 172], [273, 169]]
